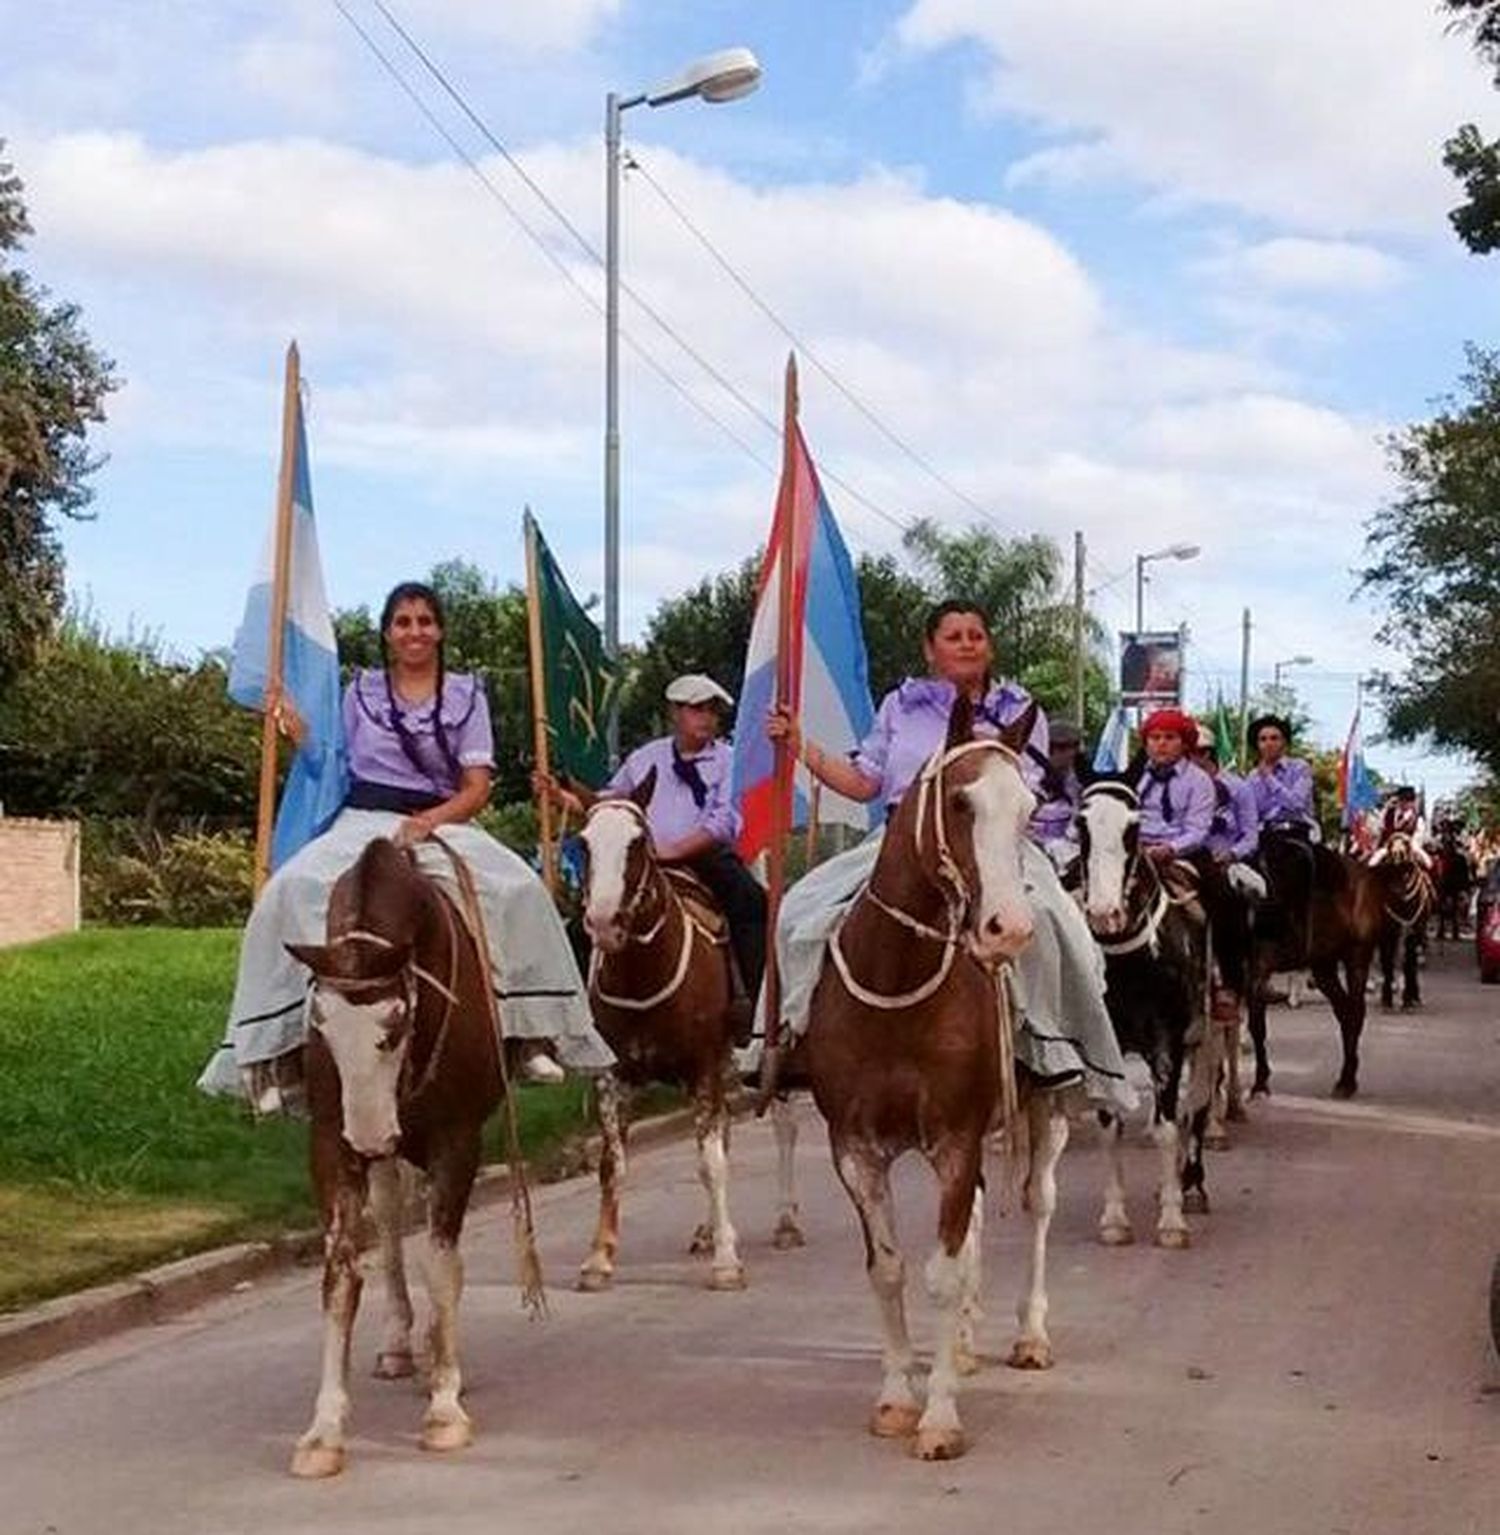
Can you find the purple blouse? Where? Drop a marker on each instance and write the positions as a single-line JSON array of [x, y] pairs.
[[1236, 828], [1284, 796], [673, 812], [912, 722], [375, 750]]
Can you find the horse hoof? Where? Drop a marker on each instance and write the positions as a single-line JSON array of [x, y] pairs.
[[727, 1276], [313, 1461], [1342, 1089], [591, 1281], [1261, 1090], [1236, 1114], [894, 1420], [1173, 1237], [1216, 1140], [702, 1242], [394, 1364], [1030, 1354], [938, 1444], [442, 1434], [1195, 1201], [787, 1235], [1116, 1236], [965, 1360]]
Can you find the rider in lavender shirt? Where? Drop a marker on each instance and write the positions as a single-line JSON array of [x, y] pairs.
[[1283, 788], [1236, 829], [693, 821], [1177, 796]]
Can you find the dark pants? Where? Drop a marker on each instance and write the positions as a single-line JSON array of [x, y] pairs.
[[1289, 861], [1228, 919], [743, 902]]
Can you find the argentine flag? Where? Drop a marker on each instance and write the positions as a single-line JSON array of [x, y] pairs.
[[1112, 753], [830, 672], [319, 778]]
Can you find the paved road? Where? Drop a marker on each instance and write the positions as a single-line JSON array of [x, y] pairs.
[[1318, 1362]]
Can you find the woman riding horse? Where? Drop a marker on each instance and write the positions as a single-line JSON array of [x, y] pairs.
[[1064, 1032], [421, 761]]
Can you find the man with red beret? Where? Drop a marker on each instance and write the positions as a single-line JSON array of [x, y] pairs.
[[1177, 796]]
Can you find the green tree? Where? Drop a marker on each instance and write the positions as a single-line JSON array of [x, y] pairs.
[[1473, 159], [52, 389], [114, 728], [1434, 554]]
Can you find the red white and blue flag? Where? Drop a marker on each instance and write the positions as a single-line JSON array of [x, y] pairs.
[[1357, 791], [828, 675]]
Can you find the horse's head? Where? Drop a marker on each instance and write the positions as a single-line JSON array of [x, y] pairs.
[[1109, 837], [620, 861], [1398, 850], [971, 839], [363, 1001]]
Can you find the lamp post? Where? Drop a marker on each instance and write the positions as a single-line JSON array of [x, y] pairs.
[[1171, 552], [723, 76], [1281, 666]]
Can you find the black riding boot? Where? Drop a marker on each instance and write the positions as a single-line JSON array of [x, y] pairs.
[[743, 902]]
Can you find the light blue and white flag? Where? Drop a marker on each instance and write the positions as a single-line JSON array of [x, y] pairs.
[[1112, 753], [319, 777]]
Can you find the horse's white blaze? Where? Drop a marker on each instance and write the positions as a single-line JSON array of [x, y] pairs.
[[369, 1071], [609, 836], [1109, 821], [1002, 805]]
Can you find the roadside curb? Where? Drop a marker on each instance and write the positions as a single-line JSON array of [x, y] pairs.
[[158, 1294]]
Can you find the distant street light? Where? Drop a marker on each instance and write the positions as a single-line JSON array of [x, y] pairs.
[[723, 76], [1291, 661], [1171, 552]]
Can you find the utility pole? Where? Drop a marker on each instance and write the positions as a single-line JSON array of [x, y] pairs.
[[1078, 558], [1241, 747]]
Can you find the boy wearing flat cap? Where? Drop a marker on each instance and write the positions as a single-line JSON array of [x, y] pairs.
[[692, 819]]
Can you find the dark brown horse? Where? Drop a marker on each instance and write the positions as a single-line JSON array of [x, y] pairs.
[[402, 1067], [660, 989], [1338, 944], [904, 1051]]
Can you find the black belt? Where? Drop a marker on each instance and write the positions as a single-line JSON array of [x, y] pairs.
[[385, 796]]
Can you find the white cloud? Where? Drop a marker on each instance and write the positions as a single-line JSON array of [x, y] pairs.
[[1293, 265], [1326, 118]]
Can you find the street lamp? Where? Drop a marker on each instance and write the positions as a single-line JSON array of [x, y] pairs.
[[1171, 552], [723, 76], [1277, 669]]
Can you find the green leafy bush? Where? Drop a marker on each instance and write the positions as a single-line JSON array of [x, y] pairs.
[[192, 878]]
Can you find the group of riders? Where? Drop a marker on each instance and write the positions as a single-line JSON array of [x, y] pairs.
[[421, 757]]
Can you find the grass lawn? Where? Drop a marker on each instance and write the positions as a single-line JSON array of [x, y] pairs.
[[110, 1159]]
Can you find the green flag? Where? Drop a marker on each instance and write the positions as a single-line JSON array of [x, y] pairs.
[[577, 678], [1226, 737]]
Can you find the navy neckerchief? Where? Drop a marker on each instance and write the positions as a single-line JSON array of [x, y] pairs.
[[1163, 773], [685, 770]]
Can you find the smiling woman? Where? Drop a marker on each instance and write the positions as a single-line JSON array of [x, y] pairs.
[[421, 762]]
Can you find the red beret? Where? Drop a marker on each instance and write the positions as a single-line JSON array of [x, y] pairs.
[[1171, 722]]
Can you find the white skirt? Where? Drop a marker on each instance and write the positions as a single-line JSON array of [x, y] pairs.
[[1064, 1025], [541, 994]]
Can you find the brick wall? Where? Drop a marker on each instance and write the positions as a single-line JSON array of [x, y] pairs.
[[38, 879]]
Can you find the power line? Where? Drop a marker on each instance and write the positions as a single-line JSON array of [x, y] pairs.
[[593, 254], [803, 347]]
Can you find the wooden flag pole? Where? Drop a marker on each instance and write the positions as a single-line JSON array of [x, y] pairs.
[[265, 811], [783, 764], [541, 740]]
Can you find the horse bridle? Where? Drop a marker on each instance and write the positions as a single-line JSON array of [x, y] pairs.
[[949, 876], [1416, 888], [1145, 935], [404, 983], [628, 911]]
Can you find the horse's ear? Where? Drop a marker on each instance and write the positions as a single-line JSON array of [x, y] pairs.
[[314, 955], [643, 791], [1016, 734], [960, 722]]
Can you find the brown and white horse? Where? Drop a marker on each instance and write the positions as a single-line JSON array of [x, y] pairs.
[[1410, 898], [904, 1053], [402, 1067], [660, 991]]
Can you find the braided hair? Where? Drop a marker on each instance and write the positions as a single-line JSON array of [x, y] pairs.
[[417, 591]]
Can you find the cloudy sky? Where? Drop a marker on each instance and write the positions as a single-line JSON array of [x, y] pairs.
[[1158, 271]]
